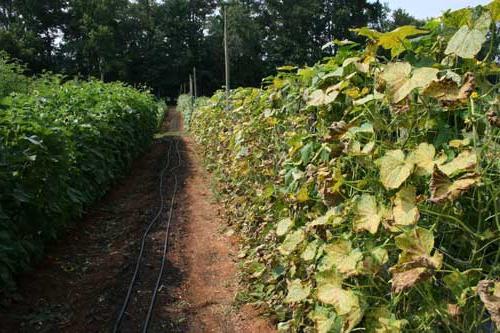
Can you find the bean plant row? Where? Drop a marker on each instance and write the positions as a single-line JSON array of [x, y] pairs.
[[62, 145]]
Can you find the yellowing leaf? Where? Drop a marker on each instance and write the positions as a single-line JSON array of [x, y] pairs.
[[390, 325], [423, 76], [397, 75], [457, 18], [339, 255], [310, 252], [381, 320], [407, 278], [284, 226], [353, 318], [320, 97], [287, 68], [446, 90], [303, 194], [467, 41], [297, 291], [368, 214], [460, 143], [344, 301], [330, 277], [465, 161], [325, 320], [415, 262], [415, 243], [423, 158], [394, 169], [372, 263], [291, 242], [332, 217], [395, 40], [405, 211], [368, 98], [443, 188], [494, 8], [400, 80]]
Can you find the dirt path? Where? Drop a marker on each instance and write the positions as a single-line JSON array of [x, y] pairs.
[[82, 282]]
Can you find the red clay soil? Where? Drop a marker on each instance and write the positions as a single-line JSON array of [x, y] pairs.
[[82, 282]]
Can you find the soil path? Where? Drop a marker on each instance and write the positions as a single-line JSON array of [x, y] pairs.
[[81, 284]]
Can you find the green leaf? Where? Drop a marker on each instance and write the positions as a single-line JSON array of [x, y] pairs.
[[458, 283]]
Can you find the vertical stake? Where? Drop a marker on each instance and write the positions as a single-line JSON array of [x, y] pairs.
[[195, 83], [226, 51]]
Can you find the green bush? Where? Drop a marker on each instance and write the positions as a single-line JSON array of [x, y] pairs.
[[61, 147], [12, 78], [366, 189]]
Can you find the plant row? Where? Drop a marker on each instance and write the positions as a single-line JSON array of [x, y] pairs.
[[62, 144], [187, 105], [366, 187]]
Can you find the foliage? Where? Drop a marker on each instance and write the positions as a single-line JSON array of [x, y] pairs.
[[11, 77], [61, 147], [187, 105], [157, 43], [366, 187]]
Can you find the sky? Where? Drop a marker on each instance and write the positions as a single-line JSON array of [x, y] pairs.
[[432, 8]]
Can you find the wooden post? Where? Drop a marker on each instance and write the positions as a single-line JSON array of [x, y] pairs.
[[226, 50], [195, 83]]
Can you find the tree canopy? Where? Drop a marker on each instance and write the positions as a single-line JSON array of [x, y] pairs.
[[158, 43]]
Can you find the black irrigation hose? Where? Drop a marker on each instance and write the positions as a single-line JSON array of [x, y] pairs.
[[144, 236], [165, 244]]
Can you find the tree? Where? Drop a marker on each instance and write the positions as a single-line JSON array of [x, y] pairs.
[[28, 30], [93, 37], [158, 43], [402, 17]]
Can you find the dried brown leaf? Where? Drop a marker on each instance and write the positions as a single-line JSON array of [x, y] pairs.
[[491, 300], [443, 188]]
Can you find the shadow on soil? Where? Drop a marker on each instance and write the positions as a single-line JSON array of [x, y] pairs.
[[81, 283]]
